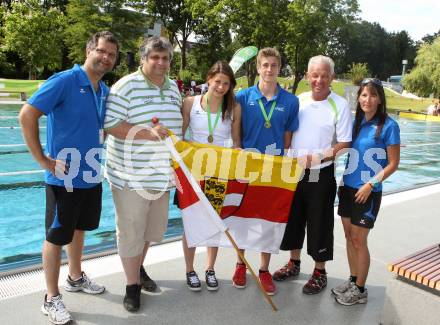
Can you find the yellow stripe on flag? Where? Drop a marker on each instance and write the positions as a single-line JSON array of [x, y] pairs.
[[255, 168]]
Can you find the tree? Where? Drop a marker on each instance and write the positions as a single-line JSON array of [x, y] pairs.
[[177, 18], [424, 78], [6, 3], [2, 19], [314, 27], [58, 4], [35, 34], [404, 48], [257, 23], [365, 42], [86, 17], [212, 34], [428, 38]]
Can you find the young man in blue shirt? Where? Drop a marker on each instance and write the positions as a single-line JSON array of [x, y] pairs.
[[74, 103], [269, 115]]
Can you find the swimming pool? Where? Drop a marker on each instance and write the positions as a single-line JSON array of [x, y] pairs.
[[22, 191]]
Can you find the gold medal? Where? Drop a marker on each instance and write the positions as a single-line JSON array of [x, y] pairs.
[[267, 118], [210, 127]]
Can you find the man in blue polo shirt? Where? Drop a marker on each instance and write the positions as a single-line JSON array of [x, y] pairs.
[[269, 116], [74, 103]]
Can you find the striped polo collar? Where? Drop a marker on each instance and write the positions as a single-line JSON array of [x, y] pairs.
[[166, 84]]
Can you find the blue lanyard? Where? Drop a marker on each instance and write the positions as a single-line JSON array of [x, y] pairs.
[[101, 103], [98, 103]]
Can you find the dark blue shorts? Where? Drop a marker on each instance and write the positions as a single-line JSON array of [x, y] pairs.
[[362, 215], [68, 211]]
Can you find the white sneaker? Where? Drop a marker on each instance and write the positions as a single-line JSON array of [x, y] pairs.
[[56, 310], [85, 284], [353, 296], [343, 287]]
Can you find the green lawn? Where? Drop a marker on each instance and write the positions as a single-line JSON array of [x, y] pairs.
[[28, 86], [397, 102]]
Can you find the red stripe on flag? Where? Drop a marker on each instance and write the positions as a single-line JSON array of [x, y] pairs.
[[188, 196], [235, 186], [267, 203], [259, 202], [228, 211]]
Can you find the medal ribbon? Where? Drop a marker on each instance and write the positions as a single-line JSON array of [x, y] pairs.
[[210, 127], [267, 118]]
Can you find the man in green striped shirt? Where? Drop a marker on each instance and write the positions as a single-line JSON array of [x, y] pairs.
[[138, 162]]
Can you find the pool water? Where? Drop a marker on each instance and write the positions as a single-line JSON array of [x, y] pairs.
[[22, 195]]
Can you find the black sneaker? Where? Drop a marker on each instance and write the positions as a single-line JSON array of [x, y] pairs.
[[132, 299], [147, 283], [211, 280], [193, 282]]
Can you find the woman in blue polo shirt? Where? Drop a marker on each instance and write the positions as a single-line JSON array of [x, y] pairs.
[[374, 156]]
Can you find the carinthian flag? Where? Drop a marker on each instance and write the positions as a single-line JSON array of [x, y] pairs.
[[250, 194]]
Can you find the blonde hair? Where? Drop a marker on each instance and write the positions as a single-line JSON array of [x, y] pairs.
[[267, 52]]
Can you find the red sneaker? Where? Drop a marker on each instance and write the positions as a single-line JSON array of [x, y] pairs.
[[316, 283], [288, 270], [239, 278], [267, 283]]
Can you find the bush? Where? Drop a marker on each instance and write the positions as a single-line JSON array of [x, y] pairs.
[[185, 76], [357, 72]]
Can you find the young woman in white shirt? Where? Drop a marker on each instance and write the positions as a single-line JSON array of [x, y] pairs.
[[211, 118]]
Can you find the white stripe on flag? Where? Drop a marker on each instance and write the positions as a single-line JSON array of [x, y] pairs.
[[232, 199], [250, 233], [211, 216], [197, 224]]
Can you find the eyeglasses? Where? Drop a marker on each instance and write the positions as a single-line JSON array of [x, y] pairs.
[[372, 80], [110, 55]]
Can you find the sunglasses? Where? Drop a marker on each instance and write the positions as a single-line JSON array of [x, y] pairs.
[[372, 80]]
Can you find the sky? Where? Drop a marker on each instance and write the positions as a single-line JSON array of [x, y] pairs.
[[418, 18]]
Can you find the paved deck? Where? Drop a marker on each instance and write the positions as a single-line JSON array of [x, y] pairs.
[[408, 222]]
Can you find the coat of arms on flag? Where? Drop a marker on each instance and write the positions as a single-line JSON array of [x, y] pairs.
[[225, 196], [250, 192]]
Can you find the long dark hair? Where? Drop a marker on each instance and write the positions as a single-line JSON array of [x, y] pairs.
[[229, 98], [381, 113]]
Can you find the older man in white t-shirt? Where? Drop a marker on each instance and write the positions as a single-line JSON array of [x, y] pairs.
[[325, 128]]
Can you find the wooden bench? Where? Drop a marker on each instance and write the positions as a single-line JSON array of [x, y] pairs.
[[422, 267], [23, 96]]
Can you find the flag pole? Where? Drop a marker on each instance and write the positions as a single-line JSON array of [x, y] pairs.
[[254, 276], [170, 145]]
